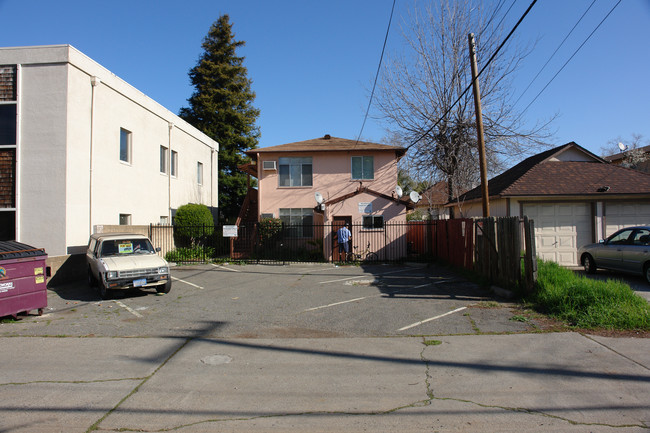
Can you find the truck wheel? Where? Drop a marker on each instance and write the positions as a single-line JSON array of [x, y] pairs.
[[166, 288]]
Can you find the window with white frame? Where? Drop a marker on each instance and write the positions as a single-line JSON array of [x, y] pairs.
[[125, 145], [298, 221], [373, 222], [163, 159], [199, 173], [363, 168], [295, 171], [174, 164]]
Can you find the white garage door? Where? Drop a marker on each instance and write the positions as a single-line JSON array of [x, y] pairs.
[[625, 214], [560, 229]]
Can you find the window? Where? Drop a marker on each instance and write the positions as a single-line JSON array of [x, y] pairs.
[[163, 159], [298, 221], [174, 163], [7, 225], [7, 124], [373, 222], [125, 145], [295, 171], [164, 220], [363, 168], [641, 237], [199, 173], [125, 219], [621, 238]]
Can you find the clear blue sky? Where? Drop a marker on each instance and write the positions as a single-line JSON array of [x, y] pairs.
[[313, 62]]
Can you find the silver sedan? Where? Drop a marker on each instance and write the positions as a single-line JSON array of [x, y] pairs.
[[627, 250]]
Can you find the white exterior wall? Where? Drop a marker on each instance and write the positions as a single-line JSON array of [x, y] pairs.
[[61, 194], [41, 160]]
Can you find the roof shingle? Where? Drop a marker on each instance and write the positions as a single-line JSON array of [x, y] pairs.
[[328, 143], [542, 175]]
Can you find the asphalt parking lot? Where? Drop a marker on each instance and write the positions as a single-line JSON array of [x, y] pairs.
[[314, 348], [290, 301]]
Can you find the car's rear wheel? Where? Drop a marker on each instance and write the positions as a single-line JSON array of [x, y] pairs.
[[589, 264], [646, 272], [166, 288]]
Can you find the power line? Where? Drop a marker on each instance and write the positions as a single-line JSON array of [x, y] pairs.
[[554, 52], [477, 76], [381, 58], [570, 58]]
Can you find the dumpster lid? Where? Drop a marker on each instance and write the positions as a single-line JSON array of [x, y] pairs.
[[15, 250]]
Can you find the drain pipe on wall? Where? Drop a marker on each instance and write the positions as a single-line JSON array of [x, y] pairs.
[[94, 82], [169, 174]]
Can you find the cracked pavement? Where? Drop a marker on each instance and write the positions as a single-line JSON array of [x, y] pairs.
[[480, 371]]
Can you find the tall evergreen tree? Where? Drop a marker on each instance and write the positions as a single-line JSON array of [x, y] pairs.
[[221, 107]]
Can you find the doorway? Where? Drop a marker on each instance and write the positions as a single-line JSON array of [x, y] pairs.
[[338, 222]]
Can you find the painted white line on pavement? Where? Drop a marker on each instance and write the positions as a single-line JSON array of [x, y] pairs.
[[337, 303], [362, 276], [187, 282], [224, 268], [129, 309], [432, 318], [365, 297]]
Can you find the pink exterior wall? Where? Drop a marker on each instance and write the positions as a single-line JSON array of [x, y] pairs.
[[332, 177]]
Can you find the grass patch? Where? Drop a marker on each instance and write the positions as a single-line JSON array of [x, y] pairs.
[[432, 342], [587, 303]]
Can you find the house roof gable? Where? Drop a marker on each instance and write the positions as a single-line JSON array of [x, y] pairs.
[[565, 170], [362, 189], [328, 144]]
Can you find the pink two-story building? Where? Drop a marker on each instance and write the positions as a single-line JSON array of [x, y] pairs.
[[326, 182]]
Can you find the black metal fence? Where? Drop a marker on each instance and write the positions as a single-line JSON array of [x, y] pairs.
[[257, 242], [493, 247]]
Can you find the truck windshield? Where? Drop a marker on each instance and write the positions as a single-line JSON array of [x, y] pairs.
[[120, 247]]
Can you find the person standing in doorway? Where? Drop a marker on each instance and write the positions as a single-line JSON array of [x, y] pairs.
[[344, 235]]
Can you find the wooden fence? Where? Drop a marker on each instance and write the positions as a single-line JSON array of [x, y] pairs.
[[503, 246]]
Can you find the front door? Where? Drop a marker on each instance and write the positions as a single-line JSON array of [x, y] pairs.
[[339, 221]]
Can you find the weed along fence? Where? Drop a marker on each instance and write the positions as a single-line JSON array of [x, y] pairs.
[[492, 246]]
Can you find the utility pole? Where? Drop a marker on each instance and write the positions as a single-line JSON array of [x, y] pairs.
[[479, 127]]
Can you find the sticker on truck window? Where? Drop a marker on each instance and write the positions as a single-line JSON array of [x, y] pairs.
[[125, 248]]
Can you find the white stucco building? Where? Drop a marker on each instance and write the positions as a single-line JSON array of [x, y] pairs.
[[80, 147]]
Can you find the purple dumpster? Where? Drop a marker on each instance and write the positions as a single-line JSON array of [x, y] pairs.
[[23, 278]]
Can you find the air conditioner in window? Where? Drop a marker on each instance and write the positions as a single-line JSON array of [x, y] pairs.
[[268, 165]]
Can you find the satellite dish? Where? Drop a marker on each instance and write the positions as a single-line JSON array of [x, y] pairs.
[[398, 191], [415, 197], [319, 197], [622, 147]]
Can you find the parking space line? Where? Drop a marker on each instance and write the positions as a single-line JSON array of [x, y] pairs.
[[224, 268], [365, 297], [187, 282], [362, 276], [432, 318], [129, 309], [337, 303]]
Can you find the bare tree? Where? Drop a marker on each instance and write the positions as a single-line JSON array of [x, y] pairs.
[[633, 151], [425, 86]]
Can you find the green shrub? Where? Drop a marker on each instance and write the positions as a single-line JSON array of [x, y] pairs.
[[270, 229], [190, 254], [588, 303], [192, 222]]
